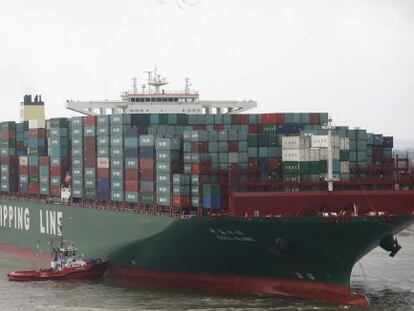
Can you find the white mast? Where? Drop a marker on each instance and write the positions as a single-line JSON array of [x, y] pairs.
[[330, 178]]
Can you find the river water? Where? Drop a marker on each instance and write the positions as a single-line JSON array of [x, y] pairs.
[[387, 282]]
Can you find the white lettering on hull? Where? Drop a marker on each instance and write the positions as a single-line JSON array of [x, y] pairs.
[[50, 222], [14, 217]]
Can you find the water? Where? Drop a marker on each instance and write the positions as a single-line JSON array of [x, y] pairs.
[[387, 282]]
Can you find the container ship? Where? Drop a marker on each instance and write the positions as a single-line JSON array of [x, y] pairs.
[[199, 194]]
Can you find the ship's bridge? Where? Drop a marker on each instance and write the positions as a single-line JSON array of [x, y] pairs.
[[153, 99]]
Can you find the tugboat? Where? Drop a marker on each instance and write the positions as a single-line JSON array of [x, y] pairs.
[[65, 264]]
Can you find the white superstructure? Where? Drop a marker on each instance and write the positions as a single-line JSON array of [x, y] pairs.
[[154, 99]]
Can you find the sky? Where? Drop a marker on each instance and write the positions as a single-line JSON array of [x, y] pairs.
[[352, 58]]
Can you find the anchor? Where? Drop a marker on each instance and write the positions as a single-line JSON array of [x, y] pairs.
[[390, 244]]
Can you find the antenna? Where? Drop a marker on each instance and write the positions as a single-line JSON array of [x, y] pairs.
[[187, 85], [106, 95], [156, 81], [149, 73], [134, 85]]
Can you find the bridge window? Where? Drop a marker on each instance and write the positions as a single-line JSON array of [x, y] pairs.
[[147, 99]]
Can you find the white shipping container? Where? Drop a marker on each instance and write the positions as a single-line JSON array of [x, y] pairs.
[[37, 124], [344, 143], [335, 141], [344, 167], [295, 142], [297, 155], [319, 141], [323, 153], [314, 154], [306, 155], [103, 162], [335, 153], [23, 160]]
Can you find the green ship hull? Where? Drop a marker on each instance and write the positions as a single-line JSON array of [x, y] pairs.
[[309, 257]]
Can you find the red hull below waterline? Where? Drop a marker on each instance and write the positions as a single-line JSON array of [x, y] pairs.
[[88, 271], [242, 285]]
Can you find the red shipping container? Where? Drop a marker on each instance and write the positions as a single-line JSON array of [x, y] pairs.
[[253, 129], [23, 170], [146, 163], [240, 119], [34, 188], [377, 152], [272, 118], [273, 163], [233, 146], [181, 201], [103, 173], [131, 186], [90, 161], [90, 121], [197, 168], [33, 170], [37, 133], [147, 175], [218, 127], [11, 161], [223, 179], [44, 161], [55, 191], [90, 142], [253, 162], [57, 171], [199, 147], [314, 118], [131, 174], [8, 134], [90, 152]]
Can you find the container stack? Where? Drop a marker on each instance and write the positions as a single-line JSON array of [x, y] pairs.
[[211, 196], [59, 154], [119, 123], [77, 127], [44, 175], [147, 168], [36, 148], [8, 157], [181, 196], [358, 141], [167, 151], [185, 161], [132, 165], [103, 183], [195, 191], [23, 175], [196, 159], [21, 133], [296, 159], [90, 157]]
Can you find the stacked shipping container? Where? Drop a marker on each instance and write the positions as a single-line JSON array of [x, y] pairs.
[[183, 160], [8, 157]]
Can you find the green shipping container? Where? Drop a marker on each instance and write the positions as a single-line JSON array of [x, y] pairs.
[[147, 198]]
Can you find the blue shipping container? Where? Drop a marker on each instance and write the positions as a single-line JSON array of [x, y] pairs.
[[211, 201]]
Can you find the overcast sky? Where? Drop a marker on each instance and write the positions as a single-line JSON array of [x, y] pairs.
[[353, 58]]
